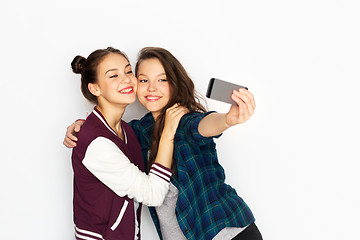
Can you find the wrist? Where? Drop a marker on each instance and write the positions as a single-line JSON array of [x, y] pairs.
[[167, 134], [226, 123], [166, 139]]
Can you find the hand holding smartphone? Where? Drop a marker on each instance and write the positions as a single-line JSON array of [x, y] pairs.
[[221, 90]]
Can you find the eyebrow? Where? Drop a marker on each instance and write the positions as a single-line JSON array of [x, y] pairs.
[[161, 74], [114, 69]]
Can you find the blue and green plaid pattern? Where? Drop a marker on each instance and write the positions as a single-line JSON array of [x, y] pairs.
[[205, 204]]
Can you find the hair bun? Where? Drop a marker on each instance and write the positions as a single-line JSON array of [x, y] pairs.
[[77, 64]]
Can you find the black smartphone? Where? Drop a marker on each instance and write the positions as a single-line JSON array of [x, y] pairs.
[[221, 90]]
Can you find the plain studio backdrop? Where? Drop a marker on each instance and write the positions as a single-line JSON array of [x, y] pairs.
[[294, 162]]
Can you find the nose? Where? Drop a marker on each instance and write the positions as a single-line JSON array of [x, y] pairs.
[[152, 86], [126, 79]]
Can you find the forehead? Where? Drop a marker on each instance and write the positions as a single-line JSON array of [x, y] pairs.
[[112, 61], [151, 66]]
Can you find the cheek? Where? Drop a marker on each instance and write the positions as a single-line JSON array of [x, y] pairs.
[[139, 91], [141, 99], [166, 92]]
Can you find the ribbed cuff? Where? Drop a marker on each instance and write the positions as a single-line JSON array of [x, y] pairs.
[[161, 171]]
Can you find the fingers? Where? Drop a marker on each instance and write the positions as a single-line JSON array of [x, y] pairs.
[[179, 113], [247, 98], [173, 108], [247, 95], [174, 115], [71, 132], [77, 128], [70, 137], [177, 110], [244, 110], [77, 125], [69, 143]]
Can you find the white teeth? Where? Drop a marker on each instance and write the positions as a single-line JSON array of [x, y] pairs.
[[152, 98], [126, 90]]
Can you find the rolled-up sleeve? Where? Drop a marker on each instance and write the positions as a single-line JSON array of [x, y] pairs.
[[189, 126]]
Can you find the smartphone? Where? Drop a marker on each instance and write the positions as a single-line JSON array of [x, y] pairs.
[[221, 90]]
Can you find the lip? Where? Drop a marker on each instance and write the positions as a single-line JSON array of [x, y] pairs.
[[127, 90], [152, 98]]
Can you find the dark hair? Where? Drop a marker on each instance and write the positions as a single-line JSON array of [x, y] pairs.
[[88, 69], [182, 90]]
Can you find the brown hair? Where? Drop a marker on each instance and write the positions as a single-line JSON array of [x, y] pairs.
[[182, 90], [88, 69]]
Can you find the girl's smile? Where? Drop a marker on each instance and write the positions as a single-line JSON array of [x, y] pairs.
[[152, 98], [128, 90]]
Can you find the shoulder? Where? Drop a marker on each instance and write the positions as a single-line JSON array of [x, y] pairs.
[[103, 145], [144, 121], [91, 129], [143, 128]]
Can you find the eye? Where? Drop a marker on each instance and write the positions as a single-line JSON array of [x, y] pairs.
[[142, 80], [129, 72], [162, 80], [114, 76]]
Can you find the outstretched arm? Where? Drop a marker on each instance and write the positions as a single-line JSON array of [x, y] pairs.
[[216, 123]]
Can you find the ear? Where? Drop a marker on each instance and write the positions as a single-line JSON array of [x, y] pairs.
[[94, 89]]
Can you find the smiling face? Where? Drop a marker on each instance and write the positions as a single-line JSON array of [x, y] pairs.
[[153, 87], [116, 83]]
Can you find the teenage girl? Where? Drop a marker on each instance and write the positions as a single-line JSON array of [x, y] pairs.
[[109, 182]]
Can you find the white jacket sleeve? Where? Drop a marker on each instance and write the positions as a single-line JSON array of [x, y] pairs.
[[111, 166]]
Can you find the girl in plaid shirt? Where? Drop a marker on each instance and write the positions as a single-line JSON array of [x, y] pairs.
[[199, 204]]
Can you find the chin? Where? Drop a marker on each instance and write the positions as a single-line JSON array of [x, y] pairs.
[[152, 109], [132, 100]]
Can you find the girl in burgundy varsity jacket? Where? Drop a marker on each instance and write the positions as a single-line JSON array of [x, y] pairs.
[[109, 179]]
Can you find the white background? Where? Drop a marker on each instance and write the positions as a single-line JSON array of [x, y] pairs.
[[294, 162]]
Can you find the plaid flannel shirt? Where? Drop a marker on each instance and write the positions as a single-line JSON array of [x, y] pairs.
[[205, 203]]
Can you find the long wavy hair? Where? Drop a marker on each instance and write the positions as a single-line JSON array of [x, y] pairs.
[[182, 90]]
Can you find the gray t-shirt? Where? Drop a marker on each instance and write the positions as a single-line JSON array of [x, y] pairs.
[[169, 225]]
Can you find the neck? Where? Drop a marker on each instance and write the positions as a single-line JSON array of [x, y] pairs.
[[113, 115], [155, 115]]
